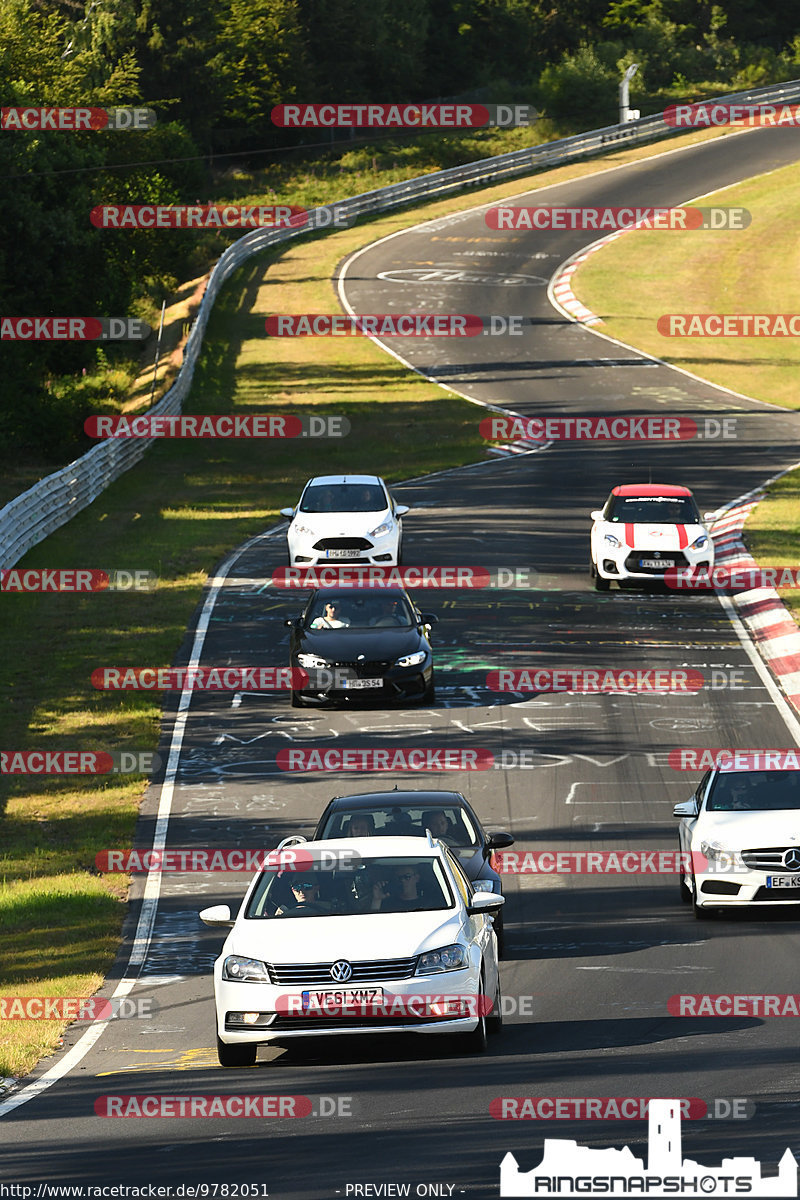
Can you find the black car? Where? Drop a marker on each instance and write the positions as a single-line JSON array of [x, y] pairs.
[[447, 815], [362, 645]]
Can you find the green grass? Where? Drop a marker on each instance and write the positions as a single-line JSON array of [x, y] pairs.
[[772, 532]]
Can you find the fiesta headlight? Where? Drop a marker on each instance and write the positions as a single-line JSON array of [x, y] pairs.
[[411, 660], [311, 660], [449, 958], [386, 527], [611, 540], [700, 542], [244, 970]]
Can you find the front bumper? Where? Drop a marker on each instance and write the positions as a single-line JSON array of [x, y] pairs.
[[313, 551], [622, 563], [334, 684], [740, 889]]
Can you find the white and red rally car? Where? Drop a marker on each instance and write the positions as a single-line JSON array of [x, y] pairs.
[[644, 530]]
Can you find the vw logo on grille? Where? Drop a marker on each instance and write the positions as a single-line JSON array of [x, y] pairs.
[[341, 971], [791, 859]]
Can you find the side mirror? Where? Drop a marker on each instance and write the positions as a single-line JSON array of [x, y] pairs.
[[295, 839], [429, 619], [597, 515], [499, 840], [287, 512], [401, 510], [709, 516], [217, 915], [485, 902], [292, 622], [686, 808]]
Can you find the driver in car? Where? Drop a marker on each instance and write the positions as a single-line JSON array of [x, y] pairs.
[[305, 893], [331, 618]]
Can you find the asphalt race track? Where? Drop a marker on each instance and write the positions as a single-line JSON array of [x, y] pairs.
[[591, 960]]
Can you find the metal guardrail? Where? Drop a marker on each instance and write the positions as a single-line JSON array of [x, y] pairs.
[[30, 517]]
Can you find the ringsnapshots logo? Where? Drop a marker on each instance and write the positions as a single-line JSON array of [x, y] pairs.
[[568, 1170], [77, 120], [607, 429], [77, 579], [73, 329], [219, 426], [607, 219], [402, 116]]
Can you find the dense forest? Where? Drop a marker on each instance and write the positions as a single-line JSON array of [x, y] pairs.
[[213, 69]]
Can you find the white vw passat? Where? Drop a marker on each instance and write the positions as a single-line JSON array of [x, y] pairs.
[[357, 935], [345, 518], [740, 839], [646, 529]]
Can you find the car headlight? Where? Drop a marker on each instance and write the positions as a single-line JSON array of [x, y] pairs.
[[611, 540], [302, 529], [449, 958], [411, 660], [244, 970], [386, 527], [720, 858], [484, 885], [311, 660], [700, 542]]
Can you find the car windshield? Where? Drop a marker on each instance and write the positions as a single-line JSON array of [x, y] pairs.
[[756, 791], [653, 510], [343, 497], [356, 887], [354, 610], [449, 823]]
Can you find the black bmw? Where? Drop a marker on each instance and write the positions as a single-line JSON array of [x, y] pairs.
[[362, 645]]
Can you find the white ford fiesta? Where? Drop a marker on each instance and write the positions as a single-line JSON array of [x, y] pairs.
[[646, 529], [740, 839], [354, 936], [345, 518]]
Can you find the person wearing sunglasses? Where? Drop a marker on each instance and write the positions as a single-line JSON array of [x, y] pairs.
[[332, 617], [305, 894]]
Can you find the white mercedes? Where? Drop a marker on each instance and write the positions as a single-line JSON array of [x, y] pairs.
[[740, 840], [354, 936], [345, 518], [646, 529]]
